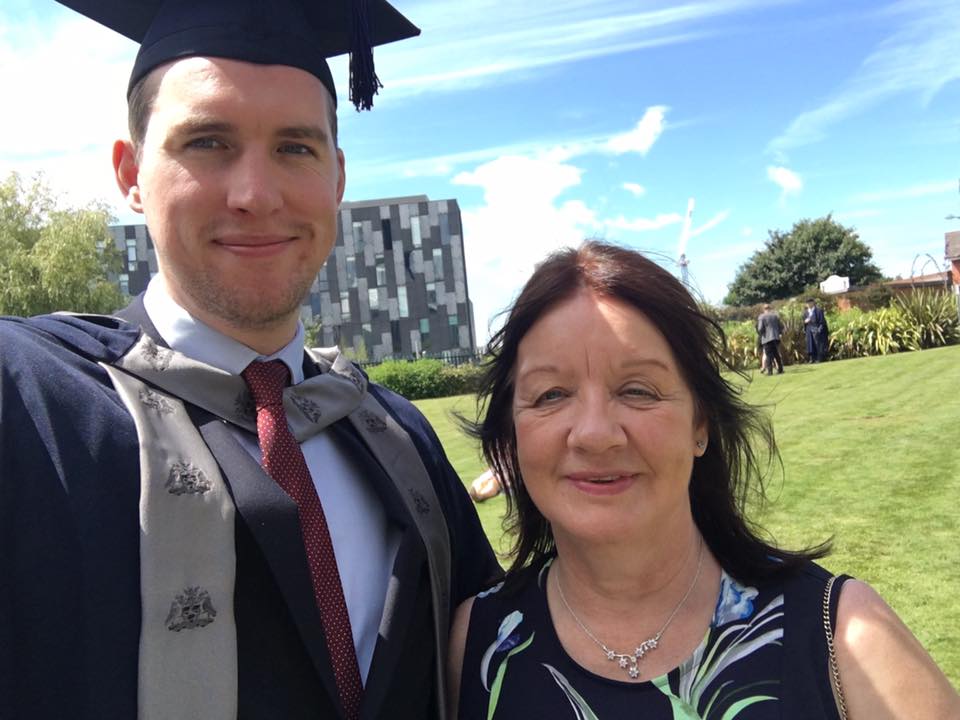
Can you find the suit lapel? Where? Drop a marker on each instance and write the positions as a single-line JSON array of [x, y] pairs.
[[406, 581], [136, 314], [272, 518]]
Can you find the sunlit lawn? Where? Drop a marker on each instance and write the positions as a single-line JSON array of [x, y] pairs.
[[871, 453]]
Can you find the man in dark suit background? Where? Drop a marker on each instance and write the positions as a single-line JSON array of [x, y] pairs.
[[197, 517], [815, 330], [769, 328]]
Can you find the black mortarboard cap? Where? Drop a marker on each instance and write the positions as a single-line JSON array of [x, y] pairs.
[[299, 33]]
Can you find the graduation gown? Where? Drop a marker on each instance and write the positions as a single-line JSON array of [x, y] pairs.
[[69, 547]]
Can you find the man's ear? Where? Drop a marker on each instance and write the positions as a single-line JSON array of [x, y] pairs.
[[126, 168], [342, 177]]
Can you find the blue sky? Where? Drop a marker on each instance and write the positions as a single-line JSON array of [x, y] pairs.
[[553, 120]]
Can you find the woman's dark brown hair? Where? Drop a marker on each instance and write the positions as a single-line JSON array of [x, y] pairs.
[[741, 447]]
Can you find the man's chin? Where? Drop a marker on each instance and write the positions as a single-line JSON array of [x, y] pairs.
[[250, 311]]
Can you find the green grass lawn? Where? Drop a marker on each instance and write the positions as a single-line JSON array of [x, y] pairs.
[[871, 455]]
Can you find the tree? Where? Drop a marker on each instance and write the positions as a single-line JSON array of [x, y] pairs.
[[54, 258], [794, 261]]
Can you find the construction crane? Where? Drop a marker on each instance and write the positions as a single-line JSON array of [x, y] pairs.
[[683, 261]]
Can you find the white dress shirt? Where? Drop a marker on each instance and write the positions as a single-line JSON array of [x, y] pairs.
[[364, 541]]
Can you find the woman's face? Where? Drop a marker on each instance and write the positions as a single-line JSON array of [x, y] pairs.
[[606, 428]]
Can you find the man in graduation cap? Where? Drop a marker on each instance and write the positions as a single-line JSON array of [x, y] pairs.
[[198, 517]]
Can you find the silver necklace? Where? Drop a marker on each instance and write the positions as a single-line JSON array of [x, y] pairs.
[[630, 662]]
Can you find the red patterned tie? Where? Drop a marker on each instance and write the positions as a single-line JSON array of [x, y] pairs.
[[284, 462]]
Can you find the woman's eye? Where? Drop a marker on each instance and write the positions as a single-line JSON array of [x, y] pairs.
[[638, 392], [551, 395]]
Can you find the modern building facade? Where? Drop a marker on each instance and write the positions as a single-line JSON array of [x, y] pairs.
[[139, 257], [395, 285]]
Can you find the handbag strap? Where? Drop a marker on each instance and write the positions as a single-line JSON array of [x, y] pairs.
[[830, 603]]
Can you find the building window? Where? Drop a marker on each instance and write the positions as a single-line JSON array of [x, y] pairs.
[[444, 229], [438, 263], [395, 336], [358, 236], [131, 254], [381, 271], [125, 284], [425, 332], [432, 295], [345, 306], [415, 230], [454, 323], [373, 297], [402, 301], [129, 231], [387, 235], [351, 264]]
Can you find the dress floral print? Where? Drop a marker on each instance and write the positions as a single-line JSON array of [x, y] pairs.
[[524, 673]]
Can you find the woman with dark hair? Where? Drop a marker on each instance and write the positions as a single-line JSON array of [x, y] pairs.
[[637, 587]]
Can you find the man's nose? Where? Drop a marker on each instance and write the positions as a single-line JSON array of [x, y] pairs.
[[254, 185]]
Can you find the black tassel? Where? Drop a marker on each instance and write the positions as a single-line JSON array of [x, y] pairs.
[[364, 82]]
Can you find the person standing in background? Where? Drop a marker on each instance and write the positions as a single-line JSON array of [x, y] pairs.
[[815, 329], [770, 328]]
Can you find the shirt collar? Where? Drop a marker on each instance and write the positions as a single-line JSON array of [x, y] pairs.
[[187, 335]]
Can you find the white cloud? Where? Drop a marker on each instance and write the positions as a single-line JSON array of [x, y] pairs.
[[746, 231], [644, 224], [520, 221], [919, 58], [551, 149], [481, 42], [788, 181], [643, 136], [848, 215], [711, 223], [941, 187], [65, 114]]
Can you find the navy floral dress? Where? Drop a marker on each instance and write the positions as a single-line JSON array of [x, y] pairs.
[[764, 656]]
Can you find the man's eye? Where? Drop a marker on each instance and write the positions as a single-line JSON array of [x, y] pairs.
[[205, 143], [296, 149]]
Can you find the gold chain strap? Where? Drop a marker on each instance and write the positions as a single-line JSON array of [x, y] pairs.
[[834, 669]]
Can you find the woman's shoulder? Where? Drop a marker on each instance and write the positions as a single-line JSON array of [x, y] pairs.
[[884, 670], [493, 625], [521, 590]]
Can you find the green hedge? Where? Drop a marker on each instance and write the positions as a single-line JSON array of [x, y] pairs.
[[914, 321], [427, 378]]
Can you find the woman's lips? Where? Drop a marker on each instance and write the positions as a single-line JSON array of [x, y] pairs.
[[602, 483]]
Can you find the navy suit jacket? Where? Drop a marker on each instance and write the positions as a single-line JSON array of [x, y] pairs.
[[69, 548]]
